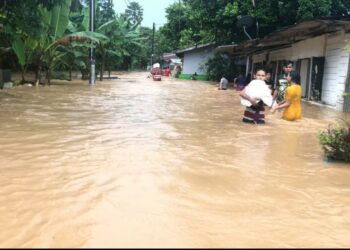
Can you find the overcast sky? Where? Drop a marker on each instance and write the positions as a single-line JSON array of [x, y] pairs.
[[153, 10]]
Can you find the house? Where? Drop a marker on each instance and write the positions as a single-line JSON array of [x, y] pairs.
[[194, 58], [319, 51], [170, 60]]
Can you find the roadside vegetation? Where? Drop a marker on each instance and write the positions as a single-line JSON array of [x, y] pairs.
[[335, 141]]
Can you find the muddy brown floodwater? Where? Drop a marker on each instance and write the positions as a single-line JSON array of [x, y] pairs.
[[137, 163]]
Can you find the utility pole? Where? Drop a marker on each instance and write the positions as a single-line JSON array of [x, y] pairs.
[[179, 16], [257, 23], [92, 49], [154, 27]]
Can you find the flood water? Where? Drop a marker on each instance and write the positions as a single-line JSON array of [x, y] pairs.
[[137, 163]]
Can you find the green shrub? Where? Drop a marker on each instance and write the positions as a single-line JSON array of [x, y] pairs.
[[335, 141], [220, 65]]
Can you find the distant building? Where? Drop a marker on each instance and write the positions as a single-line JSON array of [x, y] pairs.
[[194, 58], [171, 60]]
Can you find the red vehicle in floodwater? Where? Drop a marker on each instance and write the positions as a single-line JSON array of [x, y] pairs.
[[167, 72], [157, 73]]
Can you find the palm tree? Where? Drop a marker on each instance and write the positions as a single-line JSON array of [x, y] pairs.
[[134, 13]]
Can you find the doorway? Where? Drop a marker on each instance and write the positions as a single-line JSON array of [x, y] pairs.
[[316, 78], [304, 76]]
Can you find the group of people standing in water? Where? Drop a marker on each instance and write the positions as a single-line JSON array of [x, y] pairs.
[[261, 92]]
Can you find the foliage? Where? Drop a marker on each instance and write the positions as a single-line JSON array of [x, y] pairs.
[[134, 14], [216, 20], [45, 36], [335, 141], [104, 12], [37, 34], [220, 65], [170, 33], [309, 9]]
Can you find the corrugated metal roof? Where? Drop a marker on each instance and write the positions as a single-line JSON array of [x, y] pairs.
[[289, 35], [193, 48]]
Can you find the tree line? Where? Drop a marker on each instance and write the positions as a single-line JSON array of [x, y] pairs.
[[216, 20]]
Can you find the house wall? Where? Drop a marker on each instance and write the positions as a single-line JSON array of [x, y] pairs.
[[281, 54], [313, 47], [332, 47], [336, 68], [259, 57], [194, 59]]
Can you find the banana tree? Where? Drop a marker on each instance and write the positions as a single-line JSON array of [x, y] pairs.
[[71, 50], [56, 23], [5, 46], [84, 37], [103, 47], [124, 42], [18, 41], [128, 42], [72, 57], [24, 50]]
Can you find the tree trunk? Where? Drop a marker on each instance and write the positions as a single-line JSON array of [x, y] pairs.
[[70, 74], [108, 67], [38, 71], [102, 66], [37, 76], [23, 71], [48, 76]]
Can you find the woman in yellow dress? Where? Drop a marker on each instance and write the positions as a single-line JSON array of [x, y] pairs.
[[292, 99]]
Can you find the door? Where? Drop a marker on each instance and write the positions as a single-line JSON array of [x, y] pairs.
[[304, 77], [316, 78]]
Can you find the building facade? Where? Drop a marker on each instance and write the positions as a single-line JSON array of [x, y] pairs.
[[319, 50]]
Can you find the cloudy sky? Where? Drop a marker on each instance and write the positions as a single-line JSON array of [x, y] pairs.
[[153, 10]]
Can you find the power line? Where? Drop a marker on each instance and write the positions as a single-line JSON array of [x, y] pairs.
[[127, 2]]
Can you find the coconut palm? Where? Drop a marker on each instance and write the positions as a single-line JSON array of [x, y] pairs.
[[134, 13]]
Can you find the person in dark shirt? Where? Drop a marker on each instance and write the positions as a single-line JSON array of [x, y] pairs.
[[194, 76], [269, 81], [240, 82], [282, 82]]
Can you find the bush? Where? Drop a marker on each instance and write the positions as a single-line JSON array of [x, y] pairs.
[[220, 65], [335, 141]]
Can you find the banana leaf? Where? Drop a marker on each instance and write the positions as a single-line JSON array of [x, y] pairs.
[[106, 25], [82, 36], [85, 23], [60, 19], [19, 49], [113, 52]]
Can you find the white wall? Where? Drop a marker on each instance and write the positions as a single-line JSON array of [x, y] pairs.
[[194, 59], [281, 54], [313, 47], [259, 57], [332, 47], [336, 68]]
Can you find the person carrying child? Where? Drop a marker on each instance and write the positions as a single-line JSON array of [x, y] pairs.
[[255, 97]]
